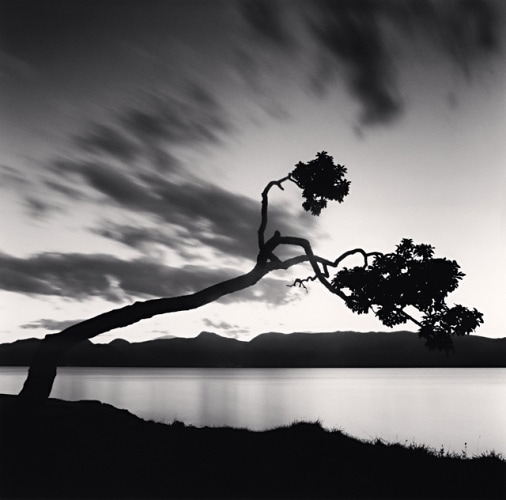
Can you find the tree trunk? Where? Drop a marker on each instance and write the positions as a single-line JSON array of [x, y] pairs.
[[42, 371]]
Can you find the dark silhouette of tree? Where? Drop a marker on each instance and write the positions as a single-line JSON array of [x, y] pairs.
[[391, 285]]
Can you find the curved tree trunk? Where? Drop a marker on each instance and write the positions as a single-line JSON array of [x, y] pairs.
[[42, 371]]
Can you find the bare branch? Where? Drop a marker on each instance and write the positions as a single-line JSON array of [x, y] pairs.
[[407, 316], [265, 204], [326, 263], [410, 318], [314, 261], [365, 254], [301, 282]]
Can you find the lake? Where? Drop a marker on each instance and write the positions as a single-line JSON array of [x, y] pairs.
[[455, 408]]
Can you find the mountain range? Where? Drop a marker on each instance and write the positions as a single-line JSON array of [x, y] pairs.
[[301, 350]]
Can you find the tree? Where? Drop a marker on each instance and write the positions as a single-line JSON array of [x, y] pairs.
[[389, 285]]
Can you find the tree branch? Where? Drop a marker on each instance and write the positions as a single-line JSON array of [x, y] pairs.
[[301, 282], [265, 206], [365, 254], [313, 260], [410, 318]]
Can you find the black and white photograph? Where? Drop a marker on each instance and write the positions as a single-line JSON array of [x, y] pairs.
[[253, 249]]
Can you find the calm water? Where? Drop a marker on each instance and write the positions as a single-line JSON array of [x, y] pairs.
[[436, 407]]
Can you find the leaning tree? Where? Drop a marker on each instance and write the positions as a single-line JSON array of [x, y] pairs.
[[409, 284]]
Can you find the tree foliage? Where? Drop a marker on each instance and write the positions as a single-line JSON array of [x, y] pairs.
[[410, 277], [320, 181]]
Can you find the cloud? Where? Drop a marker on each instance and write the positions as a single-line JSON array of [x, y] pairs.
[[195, 116], [103, 139], [358, 41], [265, 18], [231, 330], [271, 291], [75, 276], [11, 66], [132, 160], [38, 208], [192, 116], [211, 215], [351, 32], [84, 276], [466, 30], [120, 187], [191, 213], [32, 198], [197, 212], [50, 324], [12, 179], [66, 190], [186, 241], [204, 215], [351, 39]]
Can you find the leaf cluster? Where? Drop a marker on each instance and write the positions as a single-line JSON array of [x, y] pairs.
[[320, 180], [439, 326], [410, 276]]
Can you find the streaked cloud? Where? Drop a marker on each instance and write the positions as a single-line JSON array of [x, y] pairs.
[[203, 212], [352, 34], [38, 208], [268, 20], [103, 139], [358, 41], [50, 324], [146, 135], [84, 276], [12, 179], [206, 216]]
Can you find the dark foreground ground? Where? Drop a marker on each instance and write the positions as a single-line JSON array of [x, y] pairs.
[[92, 450]]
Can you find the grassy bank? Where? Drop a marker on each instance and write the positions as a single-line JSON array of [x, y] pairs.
[[93, 450]]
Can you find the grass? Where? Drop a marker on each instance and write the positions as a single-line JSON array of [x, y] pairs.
[[92, 450], [441, 452]]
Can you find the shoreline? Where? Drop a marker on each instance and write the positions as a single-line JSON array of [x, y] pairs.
[[88, 449]]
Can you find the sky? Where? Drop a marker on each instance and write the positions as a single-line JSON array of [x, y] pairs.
[[137, 136]]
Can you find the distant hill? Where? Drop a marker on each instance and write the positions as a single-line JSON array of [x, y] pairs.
[[318, 350]]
